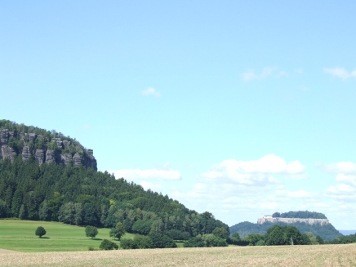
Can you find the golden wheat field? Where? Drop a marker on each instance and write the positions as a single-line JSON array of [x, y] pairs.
[[326, 255]]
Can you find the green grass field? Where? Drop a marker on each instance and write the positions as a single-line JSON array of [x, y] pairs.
[[20, 235]]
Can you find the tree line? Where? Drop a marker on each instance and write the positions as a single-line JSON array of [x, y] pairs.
[[84, 197]]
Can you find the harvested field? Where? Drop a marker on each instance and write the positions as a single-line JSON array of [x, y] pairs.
[[326, 255]]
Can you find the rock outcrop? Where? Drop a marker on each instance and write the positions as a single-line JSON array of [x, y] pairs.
[[44, 146], [77, 160], [67, 158], [50, 156], [39, 156], [26, 154], [7, 152], [4, 136], [310, 221]]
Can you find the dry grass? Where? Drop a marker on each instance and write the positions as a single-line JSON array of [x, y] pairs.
[[327, 255]]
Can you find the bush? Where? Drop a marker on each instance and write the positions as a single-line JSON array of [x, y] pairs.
[[108, 245], [40, 231], [127, 244], [91, 231], [139, 242], [212, 240], [196, 241], [162, 241]]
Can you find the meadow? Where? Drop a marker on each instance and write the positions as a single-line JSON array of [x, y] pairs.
[[20, 235]]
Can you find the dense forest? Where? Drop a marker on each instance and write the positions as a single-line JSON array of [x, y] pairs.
[[78, 194]]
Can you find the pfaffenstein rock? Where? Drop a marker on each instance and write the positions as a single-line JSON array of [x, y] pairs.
[[43, 146]]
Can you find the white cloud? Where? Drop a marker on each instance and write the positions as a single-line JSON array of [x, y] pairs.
[[145, 174], [340, 73], [254, 172], [345, 172], [150, 91], [345, 177], [342, 167], [342, 192], [266, 72]]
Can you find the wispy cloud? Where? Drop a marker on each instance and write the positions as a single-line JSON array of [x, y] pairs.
[[266, 72], [341, 73], [150, 91], [345, 178]]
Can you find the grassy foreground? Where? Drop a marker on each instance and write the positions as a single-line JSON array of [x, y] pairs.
[[325, 255], [20, 235]]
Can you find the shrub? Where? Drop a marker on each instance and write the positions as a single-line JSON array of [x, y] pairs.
[[212, 240], [143, 242], [196, 241], [108, 245], [162, 241], [127, 243], [139, 242]]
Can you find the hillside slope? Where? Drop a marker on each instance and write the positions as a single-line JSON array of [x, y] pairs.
[[79, 195]]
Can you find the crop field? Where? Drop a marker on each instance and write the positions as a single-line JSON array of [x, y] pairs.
[[325, 255], [20, 235], [67, 245]]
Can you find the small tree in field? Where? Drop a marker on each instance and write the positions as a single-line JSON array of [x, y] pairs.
[[40, 231], [118, 231], [91, 231]]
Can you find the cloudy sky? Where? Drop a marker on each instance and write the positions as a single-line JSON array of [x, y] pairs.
[[240, 108]]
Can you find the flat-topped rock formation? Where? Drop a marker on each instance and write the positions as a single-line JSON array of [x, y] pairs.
[[310, 221]]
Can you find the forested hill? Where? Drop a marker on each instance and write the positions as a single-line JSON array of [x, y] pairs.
[[83, 196], [305, 221]]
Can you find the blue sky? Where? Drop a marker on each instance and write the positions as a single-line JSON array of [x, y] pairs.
[[241, 108]]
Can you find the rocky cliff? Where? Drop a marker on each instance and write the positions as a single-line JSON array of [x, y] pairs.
[[28, 142], [310, 221]]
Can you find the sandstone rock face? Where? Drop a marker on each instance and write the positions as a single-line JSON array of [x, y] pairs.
[[26, 153], [31, 137], [44, 146], [77, 160], [50, 157], [90, 160], [292, 220], [39, 156], [7, 152], [66, 143], [59, 142], [67, 158], [4, 136]]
